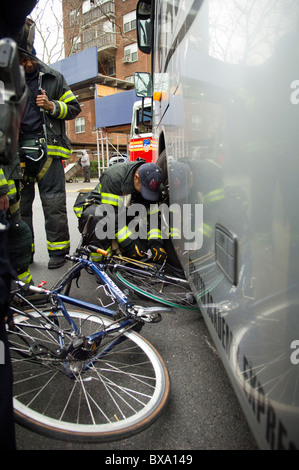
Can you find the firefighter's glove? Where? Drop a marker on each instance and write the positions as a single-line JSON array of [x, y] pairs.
[[135, 252], [159, 255]]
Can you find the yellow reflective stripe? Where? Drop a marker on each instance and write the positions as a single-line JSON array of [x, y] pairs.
[[154, 208], [123, 234], [67, 96], [96, 257], [63, 110], [215, 195], [25, 277], [58, 245], [154, 233], [78, 211], [14, 207], [175, 233], [207, 230], [60, 151], [113, 199], [12, 190], [3, 180], [70, 98]]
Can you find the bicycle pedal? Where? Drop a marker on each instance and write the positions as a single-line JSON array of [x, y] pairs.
[[148, 314]]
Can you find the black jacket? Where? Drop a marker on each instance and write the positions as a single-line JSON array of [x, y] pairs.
[[116, 187], [66, 108]]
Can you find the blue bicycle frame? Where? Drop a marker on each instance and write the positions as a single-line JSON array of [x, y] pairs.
[[123, 302]]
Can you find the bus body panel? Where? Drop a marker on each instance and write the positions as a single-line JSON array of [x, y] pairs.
[[229, 119]]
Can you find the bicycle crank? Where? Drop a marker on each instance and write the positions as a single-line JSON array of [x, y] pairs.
[[148, 314]]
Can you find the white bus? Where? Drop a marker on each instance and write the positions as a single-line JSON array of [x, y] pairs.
[[225, 87]]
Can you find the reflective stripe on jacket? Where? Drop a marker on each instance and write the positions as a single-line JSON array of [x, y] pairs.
[[66, 108]]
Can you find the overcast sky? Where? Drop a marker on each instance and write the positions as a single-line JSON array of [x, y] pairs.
[[44, 16]]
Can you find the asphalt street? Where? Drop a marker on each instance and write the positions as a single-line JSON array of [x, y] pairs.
[[203, 412]]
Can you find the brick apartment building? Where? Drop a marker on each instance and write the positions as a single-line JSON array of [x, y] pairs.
[[111, 26]]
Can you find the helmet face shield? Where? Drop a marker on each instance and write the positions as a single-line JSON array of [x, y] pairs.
[[26, 36]]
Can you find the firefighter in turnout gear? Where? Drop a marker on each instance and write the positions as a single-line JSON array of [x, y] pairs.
[[19, 234], [43, 144], [121, 186], [11, 21]]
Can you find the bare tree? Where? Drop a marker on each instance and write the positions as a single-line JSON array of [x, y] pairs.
[[256, 25], [49, 40], [58, 35]]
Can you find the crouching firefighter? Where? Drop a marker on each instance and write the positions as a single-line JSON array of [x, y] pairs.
[[121, 187]]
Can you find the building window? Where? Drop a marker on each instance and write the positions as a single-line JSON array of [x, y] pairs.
[[86, 6], [89, 35], [130, 53], [111, 68], [80, 125], [130, 78], [108, 27], [76, 46], [89, 4], [100, 30], [74, 17], [196, 122], [129, 21]]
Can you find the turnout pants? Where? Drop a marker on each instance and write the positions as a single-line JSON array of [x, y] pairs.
[[51, 185], [19, 246], [7, 430]]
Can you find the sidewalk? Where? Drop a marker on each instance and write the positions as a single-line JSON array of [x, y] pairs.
[[81, 186]]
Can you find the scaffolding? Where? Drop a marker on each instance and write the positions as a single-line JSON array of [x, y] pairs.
[[108, 145]]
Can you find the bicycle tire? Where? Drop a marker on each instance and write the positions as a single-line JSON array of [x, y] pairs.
[[176, 291], [131, 383], [65, 282]]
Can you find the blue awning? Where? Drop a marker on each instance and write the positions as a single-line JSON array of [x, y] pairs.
[[115, 110], [78, 67]]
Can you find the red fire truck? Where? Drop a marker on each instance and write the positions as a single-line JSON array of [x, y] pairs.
[[141, 137]]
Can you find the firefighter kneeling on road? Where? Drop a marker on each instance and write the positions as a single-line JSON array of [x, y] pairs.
[[121, 186]]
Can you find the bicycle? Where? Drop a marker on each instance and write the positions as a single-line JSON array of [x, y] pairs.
[[84, 376], [164, 283]]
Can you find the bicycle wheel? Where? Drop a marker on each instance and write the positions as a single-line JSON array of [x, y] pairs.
[[117, 395], [162, 287]]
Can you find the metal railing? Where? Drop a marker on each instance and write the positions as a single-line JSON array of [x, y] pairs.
[[105, 40], [98, 12]]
